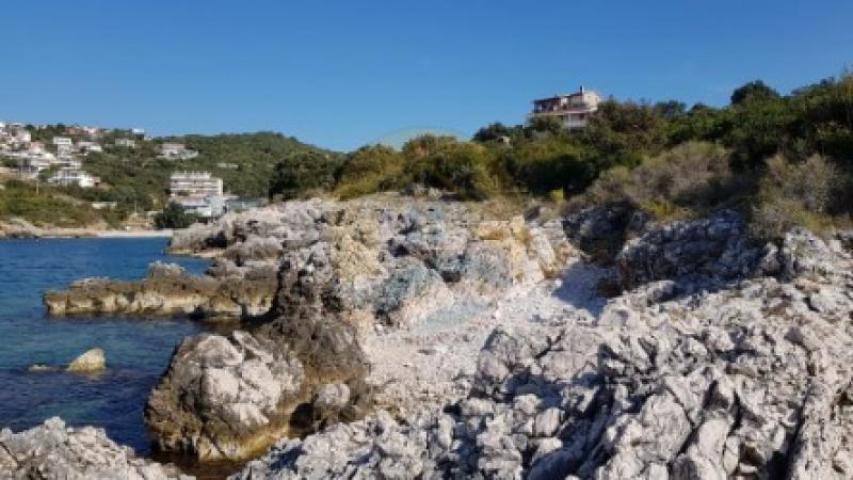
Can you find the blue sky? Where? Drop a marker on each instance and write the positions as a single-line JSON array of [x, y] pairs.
[[344, 73]]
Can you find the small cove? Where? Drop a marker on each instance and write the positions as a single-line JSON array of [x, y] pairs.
[[137, 349]]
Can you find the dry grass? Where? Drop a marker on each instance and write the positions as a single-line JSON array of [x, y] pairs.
[[796, 194], [685, 181]]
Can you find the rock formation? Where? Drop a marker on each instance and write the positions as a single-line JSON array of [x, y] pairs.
[[346, 272], [53, 451], [168, 289], [713, 357], [731, 364], [92, 361]]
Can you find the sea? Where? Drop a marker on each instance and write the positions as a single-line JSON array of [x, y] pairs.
[[137, 348]]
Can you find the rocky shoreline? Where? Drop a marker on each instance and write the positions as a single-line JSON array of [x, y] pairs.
[[698, 375], [18, 228], [424, 339], [54, 451], [168, 290]]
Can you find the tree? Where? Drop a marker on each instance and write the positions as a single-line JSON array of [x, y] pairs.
[[426, 145], [752, 92], [545, 125], [301, 172], [462, 167], [671, 109], [370, 169], [494, 132], [174, 216]]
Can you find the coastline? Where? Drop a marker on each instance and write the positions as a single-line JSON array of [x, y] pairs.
[[165, 233], [8, 232]]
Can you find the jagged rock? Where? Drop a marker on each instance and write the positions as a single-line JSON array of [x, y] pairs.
[[53, 451], [749, 380], [344, 269], [92, 361], [602, 231], [290, 221], [222, 396], [715, 248], [722, 359], [168, 290]]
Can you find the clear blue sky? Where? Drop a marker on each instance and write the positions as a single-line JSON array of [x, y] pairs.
[[344, 73]]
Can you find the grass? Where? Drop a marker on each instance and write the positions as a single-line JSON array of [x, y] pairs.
[[44, 206]]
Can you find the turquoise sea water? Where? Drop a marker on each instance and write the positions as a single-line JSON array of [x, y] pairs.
[[137, 349]]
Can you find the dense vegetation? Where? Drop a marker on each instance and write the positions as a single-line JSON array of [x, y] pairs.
[[44, 206], [245, 162], [303, 172], [782, 159], [765, 153], [174, 216]]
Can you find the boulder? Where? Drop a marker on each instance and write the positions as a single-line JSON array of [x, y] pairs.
[[714, 249], [223, 395], [92, 361], [52, 451]]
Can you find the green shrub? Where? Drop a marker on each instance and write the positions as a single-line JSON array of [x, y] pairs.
[[303, 172], [550, 164], [687, 180], [174, 216], [368, 170], [467, 169]]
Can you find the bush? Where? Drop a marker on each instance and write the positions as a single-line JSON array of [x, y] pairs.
[[368, 170], [303, 172], [551, 164], [174, 216], [687, 180], [792, 194], [756, 91], [467, 169]]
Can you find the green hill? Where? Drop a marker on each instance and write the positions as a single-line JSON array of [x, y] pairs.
[[137, 180]]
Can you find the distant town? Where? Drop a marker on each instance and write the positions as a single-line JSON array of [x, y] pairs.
[[60, 160]]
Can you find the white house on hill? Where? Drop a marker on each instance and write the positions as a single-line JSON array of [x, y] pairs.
[[572, 109]]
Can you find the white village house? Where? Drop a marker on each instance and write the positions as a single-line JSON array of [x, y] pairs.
[[572, 109], [68, 176], [188, 184], [63, 141], [22, 136], [176, 151], [198, 193], [88, 147]]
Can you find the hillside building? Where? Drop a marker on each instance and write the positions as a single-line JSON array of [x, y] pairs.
[[199, 193], [73, 176], [176, 151], [88, 147], [572, 109], [194, 184]]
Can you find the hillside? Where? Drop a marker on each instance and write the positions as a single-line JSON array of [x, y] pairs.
[[245, 162], [137, 178]]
